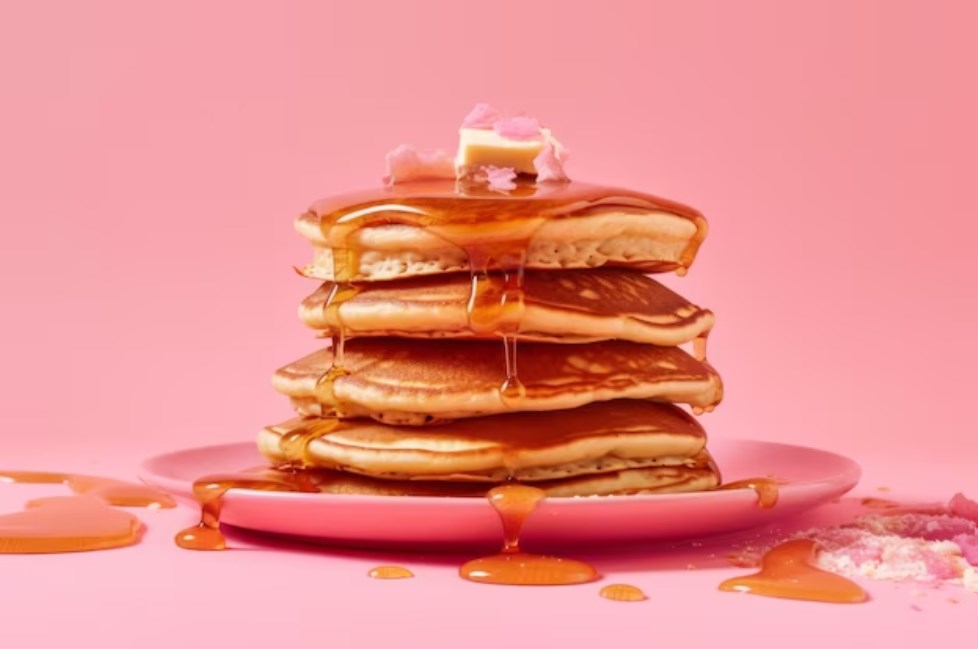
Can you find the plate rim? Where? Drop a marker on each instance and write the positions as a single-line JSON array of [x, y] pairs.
[[848, 475]]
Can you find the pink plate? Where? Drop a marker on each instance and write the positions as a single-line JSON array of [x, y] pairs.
[[809, 477]]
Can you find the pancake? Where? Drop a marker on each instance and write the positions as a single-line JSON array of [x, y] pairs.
[[417, 381], [698, 476], [570, 306], [530, 446], [426, 228]]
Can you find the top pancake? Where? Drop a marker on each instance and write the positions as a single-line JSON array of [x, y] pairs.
[[428, 228], [569, 306], [417, 381]]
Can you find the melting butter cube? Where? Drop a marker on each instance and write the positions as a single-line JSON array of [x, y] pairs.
[[480, 147]]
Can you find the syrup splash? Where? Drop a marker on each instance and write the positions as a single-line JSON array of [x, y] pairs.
[[514, 503], [788, 571]]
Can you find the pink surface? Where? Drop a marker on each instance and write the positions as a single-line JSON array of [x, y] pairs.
[[152, 157]]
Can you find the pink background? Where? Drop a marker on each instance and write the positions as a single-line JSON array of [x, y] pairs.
[[153, 155]]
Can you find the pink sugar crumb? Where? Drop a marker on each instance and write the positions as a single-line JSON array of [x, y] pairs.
[[549, 163], [962, 506], [518, 128], [969, 547], [482, 116], [406, 164], [500, 178], [929, 527]]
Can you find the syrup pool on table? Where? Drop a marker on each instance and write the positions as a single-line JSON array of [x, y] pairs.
[[85, 521]]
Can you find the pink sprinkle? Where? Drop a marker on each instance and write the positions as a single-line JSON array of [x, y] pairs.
[[969, 547], [406, 164], [961, 505], [518, 128], [482, 116], [500, 178], [549, 163]]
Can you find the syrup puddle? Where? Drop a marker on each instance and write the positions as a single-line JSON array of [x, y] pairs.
[[86, 521], [788, 571], [514, 503]]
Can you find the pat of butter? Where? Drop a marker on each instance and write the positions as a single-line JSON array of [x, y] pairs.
[[479, 147]]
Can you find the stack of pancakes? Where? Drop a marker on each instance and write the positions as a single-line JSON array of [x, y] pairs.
[[480, 336]]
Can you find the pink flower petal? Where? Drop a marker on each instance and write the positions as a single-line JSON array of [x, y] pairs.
[[482, 116], [518, 128], [500, 178], [549, 163], [406, 164], [961, 505]]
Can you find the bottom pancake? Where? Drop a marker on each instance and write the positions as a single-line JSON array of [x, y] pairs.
[[659, 479]]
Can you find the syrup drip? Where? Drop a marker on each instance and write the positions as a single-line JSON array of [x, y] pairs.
[[339, 293], [210, 490], [623, 593], [788, 571], [514, 503], [76, 523], [766, 490], [390, 572], [294, 445], [699, 347]]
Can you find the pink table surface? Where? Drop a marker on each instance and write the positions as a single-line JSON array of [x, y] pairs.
[[153, 155], [269, 592]]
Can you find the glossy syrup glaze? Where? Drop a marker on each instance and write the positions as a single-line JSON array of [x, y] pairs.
[[494, 229], [514, 503], [85, 521]]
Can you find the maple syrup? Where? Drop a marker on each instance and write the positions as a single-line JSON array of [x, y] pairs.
[[210, 491], [494, 230], [766, 490], [390, 572], [514, 503], [623, 593], [85, 521], [879, 503], [788, 571]]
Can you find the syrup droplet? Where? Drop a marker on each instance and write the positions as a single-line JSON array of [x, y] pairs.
[[878, 503], [390, 572], [766, 490], [210, 491], [623, 593], [514, 503], [788, 571]]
